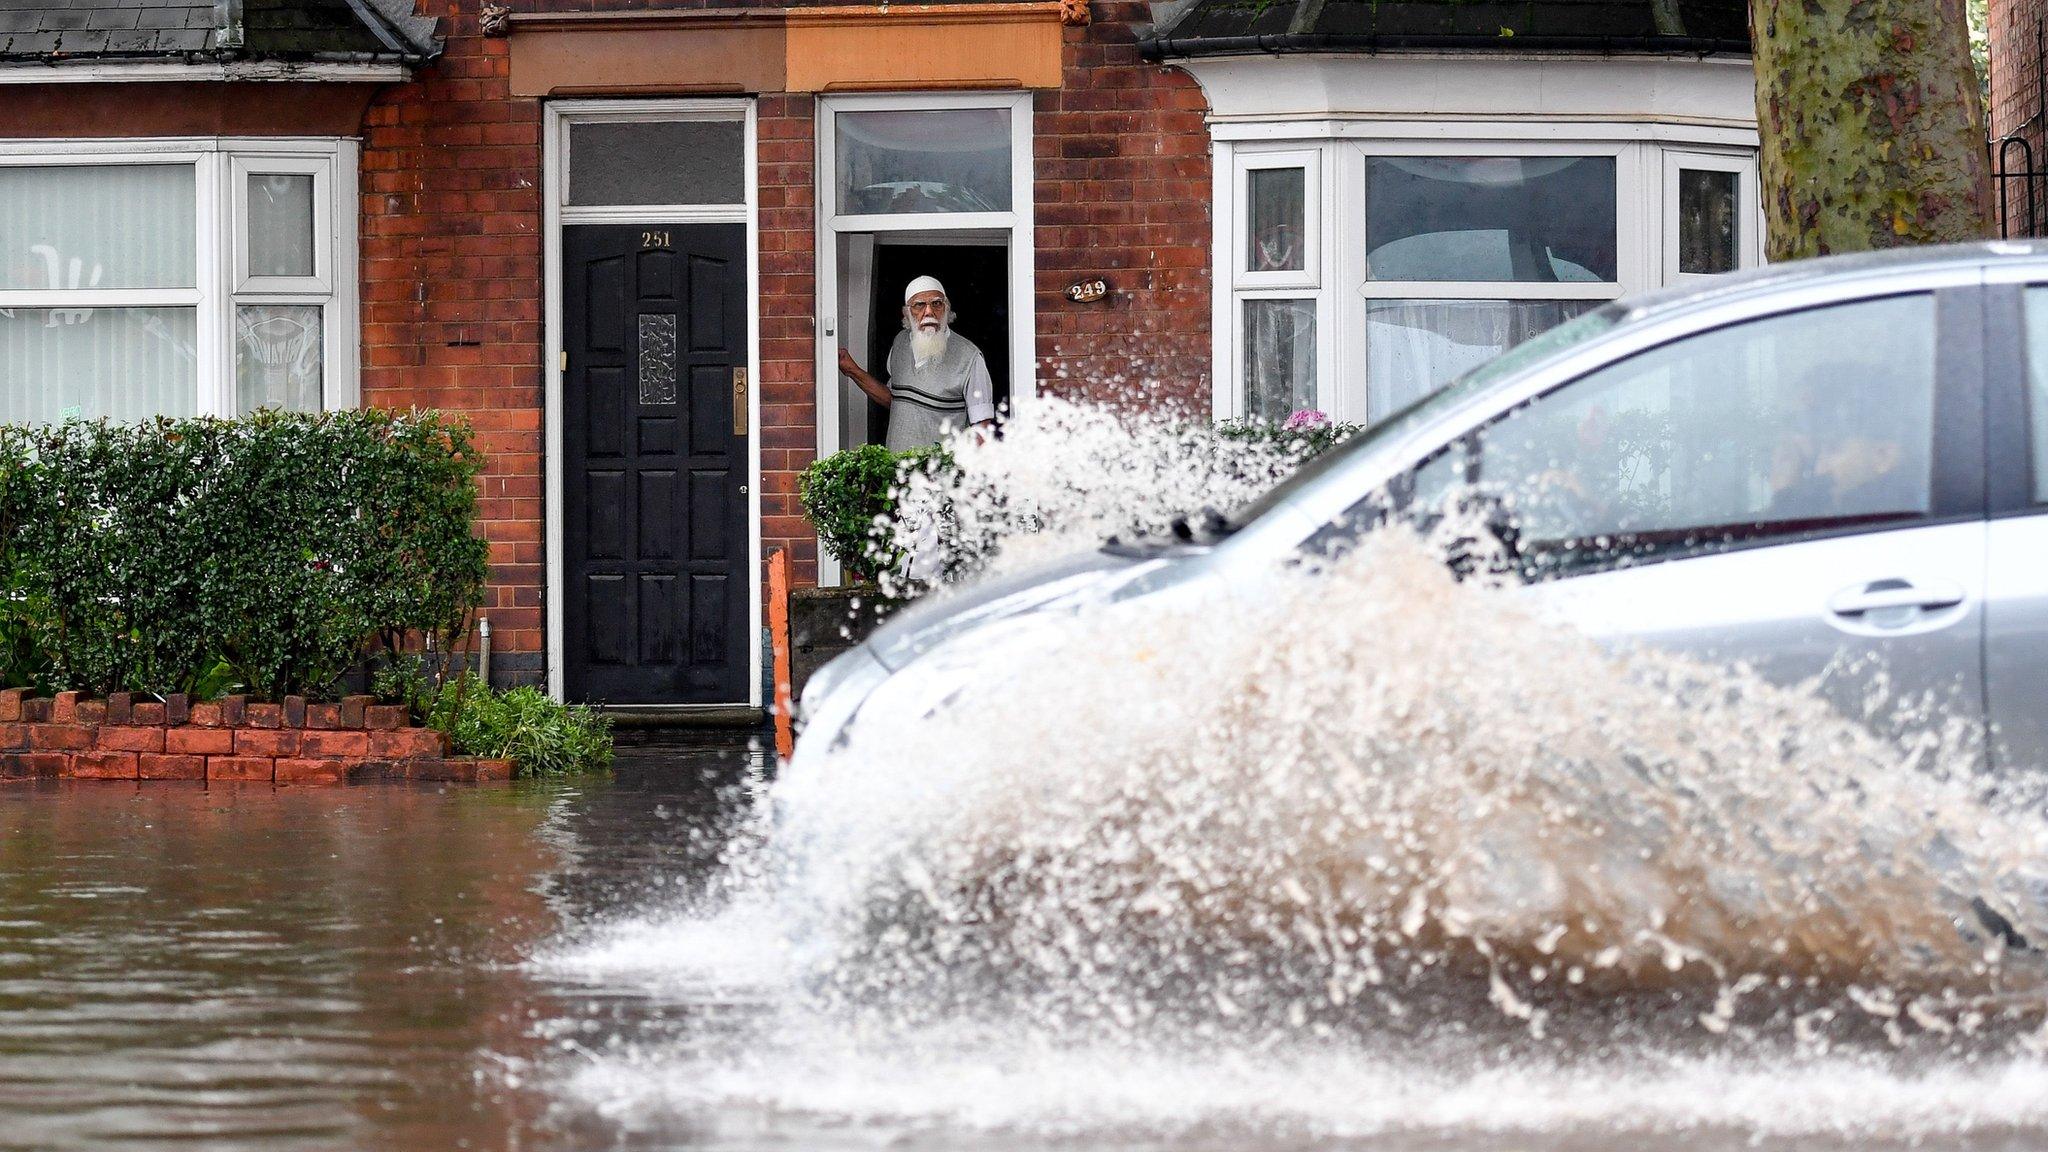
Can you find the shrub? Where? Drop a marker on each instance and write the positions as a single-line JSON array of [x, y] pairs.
[[1302, 439], [850, 497], [540, 737], [264, 552]]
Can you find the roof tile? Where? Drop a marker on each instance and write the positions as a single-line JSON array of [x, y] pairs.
[[46, 30]]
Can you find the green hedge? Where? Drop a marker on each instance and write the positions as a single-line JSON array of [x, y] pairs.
[[265, 554], [850, 495]]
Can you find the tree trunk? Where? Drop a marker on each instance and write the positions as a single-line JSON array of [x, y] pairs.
[[1873, 128]]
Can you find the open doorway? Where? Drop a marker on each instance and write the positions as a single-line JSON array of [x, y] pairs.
[[977, 280]]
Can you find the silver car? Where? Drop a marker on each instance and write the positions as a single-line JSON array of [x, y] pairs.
[[1831, 467]]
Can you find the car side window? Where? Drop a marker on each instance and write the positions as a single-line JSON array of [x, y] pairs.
[[1806, 422], [2037, 389]]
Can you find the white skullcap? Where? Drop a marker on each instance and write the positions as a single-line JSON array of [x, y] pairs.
[[923, 284]]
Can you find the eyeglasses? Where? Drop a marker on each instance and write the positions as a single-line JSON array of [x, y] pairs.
[[938, 305]]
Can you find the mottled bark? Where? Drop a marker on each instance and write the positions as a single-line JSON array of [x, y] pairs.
[[1872, 123]]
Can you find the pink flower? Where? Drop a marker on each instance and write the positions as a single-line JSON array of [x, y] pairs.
[[1306, 418]]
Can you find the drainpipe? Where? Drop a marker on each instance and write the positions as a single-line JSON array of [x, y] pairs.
[[483, 655]]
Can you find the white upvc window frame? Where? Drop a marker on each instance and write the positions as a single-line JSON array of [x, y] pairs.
[[1308, 276], [1309, 284], [241, 166], [1645, 233], [1749, 240], [218, 165]]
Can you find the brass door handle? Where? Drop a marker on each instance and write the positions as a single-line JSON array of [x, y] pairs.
[[739, 401]]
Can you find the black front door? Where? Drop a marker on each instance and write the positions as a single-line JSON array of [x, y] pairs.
[[654, 438]]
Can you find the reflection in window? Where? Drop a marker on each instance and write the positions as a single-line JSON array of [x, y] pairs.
[[60, 364], [1706, 221], [1414, 347], [1279, 358], [1278, 204], [280, 224], [1788, 423], [1530, 219], [957, 160], [277, 357]]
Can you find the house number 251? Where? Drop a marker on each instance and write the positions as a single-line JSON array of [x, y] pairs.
[[654, 240]]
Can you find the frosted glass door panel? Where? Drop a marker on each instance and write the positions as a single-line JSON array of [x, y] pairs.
[[277, 357], [280, 224], [98, 226], [84, 363], [956, 160], [657, 162]]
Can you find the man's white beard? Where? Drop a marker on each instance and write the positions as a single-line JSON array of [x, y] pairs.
[[925, 344]]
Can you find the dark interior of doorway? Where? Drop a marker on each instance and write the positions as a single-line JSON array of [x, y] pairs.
[[977, 280]]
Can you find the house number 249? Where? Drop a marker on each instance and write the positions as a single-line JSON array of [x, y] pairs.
[[654, 240]]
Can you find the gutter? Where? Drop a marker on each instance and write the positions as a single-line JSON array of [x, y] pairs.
[[1160, 48], [58, 69]]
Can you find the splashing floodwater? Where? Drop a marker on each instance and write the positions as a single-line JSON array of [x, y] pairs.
[[1375, 851]]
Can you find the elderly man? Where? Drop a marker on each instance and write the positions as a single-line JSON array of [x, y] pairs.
[[937, 379]]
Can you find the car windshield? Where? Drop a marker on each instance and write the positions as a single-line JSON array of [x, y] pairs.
[[1525, 355]]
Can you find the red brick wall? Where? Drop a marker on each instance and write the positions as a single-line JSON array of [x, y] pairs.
[[786, 128], [1121, 157], [452, 280], [452, 291], [2015, 64], [2016, 105]]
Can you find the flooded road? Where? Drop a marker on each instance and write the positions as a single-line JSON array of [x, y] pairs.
[[536, 967], [249, 968]]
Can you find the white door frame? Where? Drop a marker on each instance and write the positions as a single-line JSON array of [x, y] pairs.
[[556, 212], [1016, 225]]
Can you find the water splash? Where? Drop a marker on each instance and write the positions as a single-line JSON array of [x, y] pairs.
[[1065, 477], [1374, 786], [1369, 850]]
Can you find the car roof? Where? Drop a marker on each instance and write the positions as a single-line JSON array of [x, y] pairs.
[[1855, 266]]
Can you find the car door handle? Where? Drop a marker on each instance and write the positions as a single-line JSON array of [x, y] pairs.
[[1878, 595]]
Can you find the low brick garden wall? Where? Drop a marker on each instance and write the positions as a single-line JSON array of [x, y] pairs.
[[230, 739]]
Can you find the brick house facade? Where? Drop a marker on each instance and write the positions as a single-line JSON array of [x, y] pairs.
[[430, 204], [451, 258]]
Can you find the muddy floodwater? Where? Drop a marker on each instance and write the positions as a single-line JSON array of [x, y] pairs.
[[533, 967]]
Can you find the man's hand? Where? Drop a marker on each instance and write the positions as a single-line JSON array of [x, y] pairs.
[[875, 389]]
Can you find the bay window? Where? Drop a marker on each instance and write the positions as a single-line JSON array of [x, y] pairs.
[[175, 278], [1370, 264]]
